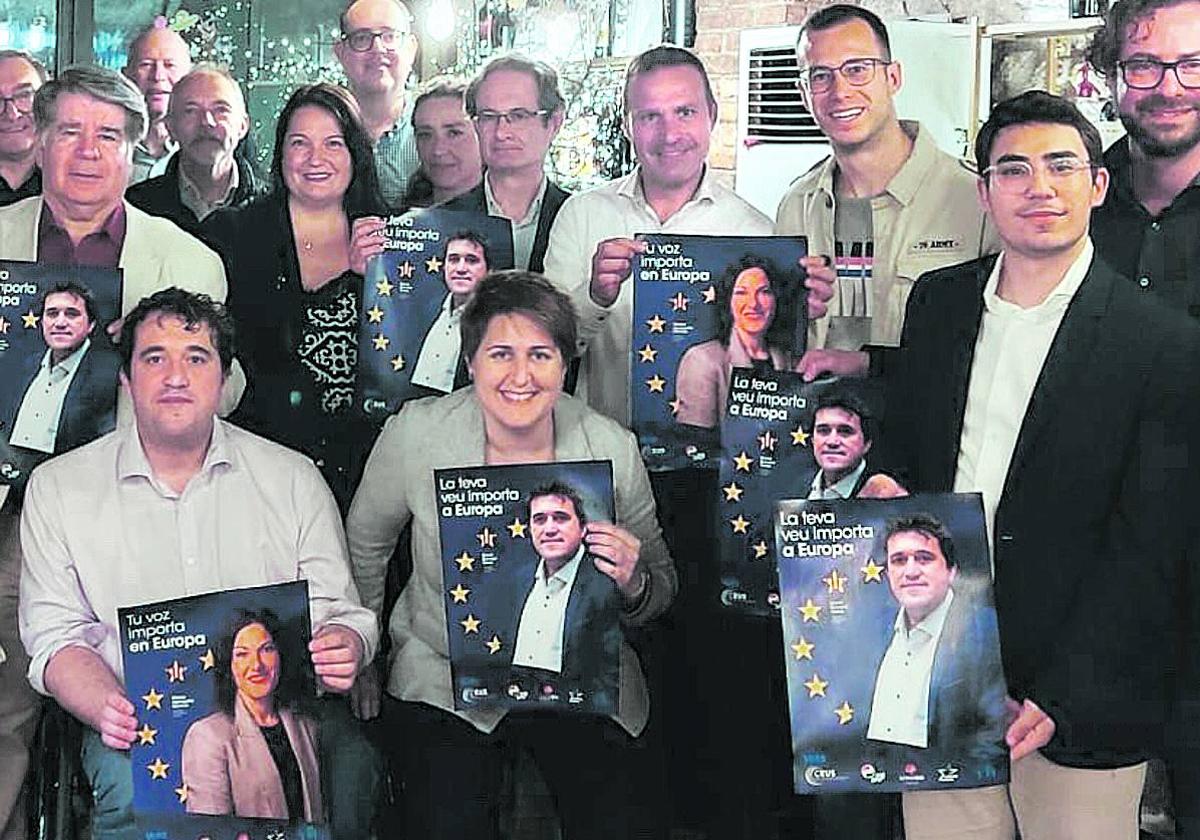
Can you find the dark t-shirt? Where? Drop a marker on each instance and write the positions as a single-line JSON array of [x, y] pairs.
[[289, 769]]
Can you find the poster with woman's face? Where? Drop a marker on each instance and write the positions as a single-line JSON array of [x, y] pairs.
[[227, 740], [703, 307]]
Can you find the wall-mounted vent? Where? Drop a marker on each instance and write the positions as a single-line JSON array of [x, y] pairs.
[[775, 111]]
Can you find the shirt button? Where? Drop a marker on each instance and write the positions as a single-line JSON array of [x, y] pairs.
[[191, 561], [1144, 282], [1155, 226]]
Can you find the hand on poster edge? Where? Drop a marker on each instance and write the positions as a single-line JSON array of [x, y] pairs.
[[819, 279], [817, 363], [615, 552], [881, 486], [1030, 730], [336, 653], [366, 241], [611, 265], [118, 722]]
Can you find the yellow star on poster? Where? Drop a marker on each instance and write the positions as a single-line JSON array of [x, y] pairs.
[[381, 342], [872, 572], [29, 320], [493, 645], [384, 287], [655, 384], [153, 700], [146, 735], [656, 324], [845, 713], [679, 303], [648, 354], [674, 404], [207, 660], [433, 265], [810, 611], [710, 294], [835, 582], [470, 624], [460, 593], [517, 529], [799, 436], [742, 462], [158, 770], [733, 493], [816, 686], [397, 363], [760, 550], [3, 325], [405, 270], [740, 524], [486, 538], [466, 563], [803, 648], [182, 793], [176, 672], [375, 315], [767, 441]]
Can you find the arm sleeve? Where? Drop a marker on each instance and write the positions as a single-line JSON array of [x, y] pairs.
[[205, 771], [635, 511], [569, 266]]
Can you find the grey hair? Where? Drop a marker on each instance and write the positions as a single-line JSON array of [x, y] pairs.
[[99, 83], [208, 68], [39, 68]]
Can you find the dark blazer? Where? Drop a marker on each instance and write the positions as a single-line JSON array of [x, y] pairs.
[[159, 196], [476, 201], [1095, 591], [90, 405]]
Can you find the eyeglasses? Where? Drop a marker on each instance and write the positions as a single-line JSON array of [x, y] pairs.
[[856, 71], [1016, 176], [22, 100], [361, 40], [516, 118], [1147, 73]]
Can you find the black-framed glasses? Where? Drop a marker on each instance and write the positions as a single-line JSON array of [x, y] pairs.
[[22, 100], [856, 72], [515, 117], [1147, 73], [1016, 176], [361, 40]]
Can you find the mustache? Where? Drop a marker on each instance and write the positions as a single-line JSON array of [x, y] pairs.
[[1157, 101]]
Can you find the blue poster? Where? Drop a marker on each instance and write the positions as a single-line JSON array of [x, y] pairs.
[[891, 645], [408, 338], [531, 619], [218, 680], [702, 307], [58, 366]]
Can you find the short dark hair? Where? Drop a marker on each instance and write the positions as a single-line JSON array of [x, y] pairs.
[[836, 15], [440, 87], [850, 402], [291, 661], [70, 287], [666, 55], [193, 309], [549, 97], [362, 197], [470, 236], [927, 525], [785, 283], [563, 491], [523, 293], [1035, 106], [1105, 48]]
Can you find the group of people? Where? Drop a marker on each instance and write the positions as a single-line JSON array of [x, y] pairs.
[[1028, 319]]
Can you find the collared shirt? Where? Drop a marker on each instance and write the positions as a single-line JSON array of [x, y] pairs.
[[1161, 254], [900, 704], [30, 186], [99, 532], [101, 249], [438, 360], [396, 159], [146, 165], [191, 197], [524, 230], [619, 208], [841, 489], [1010, 350], [36, 426], [927, 218], [544, 617]]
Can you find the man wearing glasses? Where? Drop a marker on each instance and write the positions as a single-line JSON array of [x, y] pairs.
[[887, 206], [1149, 50], [20, 77], [376, 49]]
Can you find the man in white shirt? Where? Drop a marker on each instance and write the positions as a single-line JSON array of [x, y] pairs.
[[440, 366], [842, 435]]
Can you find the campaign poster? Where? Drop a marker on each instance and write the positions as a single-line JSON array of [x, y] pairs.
[[891, 645], [783, 438], [58, 367], [413, 294], [220, 682], [704, 306], [532, 622]]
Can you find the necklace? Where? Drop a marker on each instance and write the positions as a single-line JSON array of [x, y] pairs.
[[307, 244]]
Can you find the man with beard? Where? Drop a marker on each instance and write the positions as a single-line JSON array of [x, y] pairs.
[[1150, 52]]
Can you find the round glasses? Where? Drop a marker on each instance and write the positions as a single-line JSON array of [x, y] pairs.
[[856, 72]]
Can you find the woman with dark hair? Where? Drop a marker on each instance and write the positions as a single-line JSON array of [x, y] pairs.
[[256, 756], [518, 333], [291, 290], [756, 311]]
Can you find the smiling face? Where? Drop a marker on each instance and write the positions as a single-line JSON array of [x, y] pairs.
[[84, 156], [255, 662], [207, 118], [556, 530], [669, 123], [383, 68], [918, 574], [18, 81], [65, 323], [518, 372], [157, 61], [752, 304], [838, 442], [447, 144], [465, 266], [316, 161], [503, 146]]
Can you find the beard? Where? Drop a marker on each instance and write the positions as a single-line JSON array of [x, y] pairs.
[[1151, 144]]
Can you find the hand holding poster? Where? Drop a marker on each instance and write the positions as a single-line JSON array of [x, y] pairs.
[[891, 644], [222, 686], [413, 294], [703, 306], [531, 618]]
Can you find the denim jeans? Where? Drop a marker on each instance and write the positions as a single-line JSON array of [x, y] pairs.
[[110, 775]]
